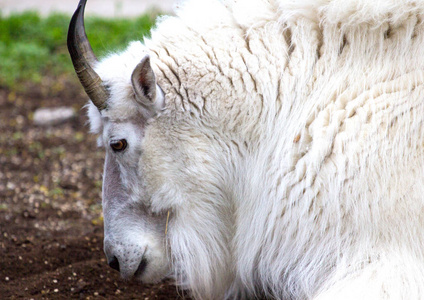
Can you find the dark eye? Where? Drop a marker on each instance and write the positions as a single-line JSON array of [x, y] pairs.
[[118, 145]]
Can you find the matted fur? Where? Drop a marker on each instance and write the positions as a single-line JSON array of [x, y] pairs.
[[291, 148]]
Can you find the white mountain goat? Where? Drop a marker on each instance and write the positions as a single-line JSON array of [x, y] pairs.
[[267, 148]]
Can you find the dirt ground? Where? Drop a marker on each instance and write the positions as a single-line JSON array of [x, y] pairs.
[[50, 205]]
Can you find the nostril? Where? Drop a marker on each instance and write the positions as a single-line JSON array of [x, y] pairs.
[[141, 267], [114, 263]]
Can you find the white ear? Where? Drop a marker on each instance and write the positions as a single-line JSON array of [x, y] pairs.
[[147, 92], [95, 118]]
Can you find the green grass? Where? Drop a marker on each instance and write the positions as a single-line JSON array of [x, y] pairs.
[[33, 47]]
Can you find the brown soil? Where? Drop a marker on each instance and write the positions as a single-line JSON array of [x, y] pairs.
[[50, 205]]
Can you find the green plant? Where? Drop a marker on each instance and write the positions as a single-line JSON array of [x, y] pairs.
[[33, 47]]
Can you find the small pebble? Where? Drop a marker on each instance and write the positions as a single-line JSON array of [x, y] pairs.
[[7, 279], [53, 116]]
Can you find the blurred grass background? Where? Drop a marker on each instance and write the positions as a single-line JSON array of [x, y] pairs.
[[33, 48]]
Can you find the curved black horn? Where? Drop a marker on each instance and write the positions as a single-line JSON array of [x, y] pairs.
[[83, 57]]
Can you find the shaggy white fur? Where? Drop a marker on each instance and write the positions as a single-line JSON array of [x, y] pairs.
[[290, 151]]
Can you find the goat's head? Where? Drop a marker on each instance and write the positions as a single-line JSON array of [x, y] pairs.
[[134, 234], [161, 161]]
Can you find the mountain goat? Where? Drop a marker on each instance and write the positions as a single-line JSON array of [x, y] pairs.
[[265, 148]]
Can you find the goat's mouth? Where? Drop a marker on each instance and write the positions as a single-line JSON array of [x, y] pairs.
[[141, 268], [149, 272]]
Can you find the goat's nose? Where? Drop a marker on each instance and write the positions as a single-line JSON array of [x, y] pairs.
[[114, 263]]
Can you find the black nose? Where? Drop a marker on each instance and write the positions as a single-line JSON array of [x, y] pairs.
[[114, 263], [141, 268]]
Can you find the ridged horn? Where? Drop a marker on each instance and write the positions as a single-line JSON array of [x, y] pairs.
[[83, 58]]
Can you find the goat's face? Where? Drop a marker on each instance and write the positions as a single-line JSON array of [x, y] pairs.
[[155, 160], [134, 236], [134, 241]]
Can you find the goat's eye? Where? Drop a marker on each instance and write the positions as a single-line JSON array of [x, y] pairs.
[[118, 145]]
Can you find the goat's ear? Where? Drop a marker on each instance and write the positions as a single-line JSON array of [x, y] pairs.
[[144, 84]]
